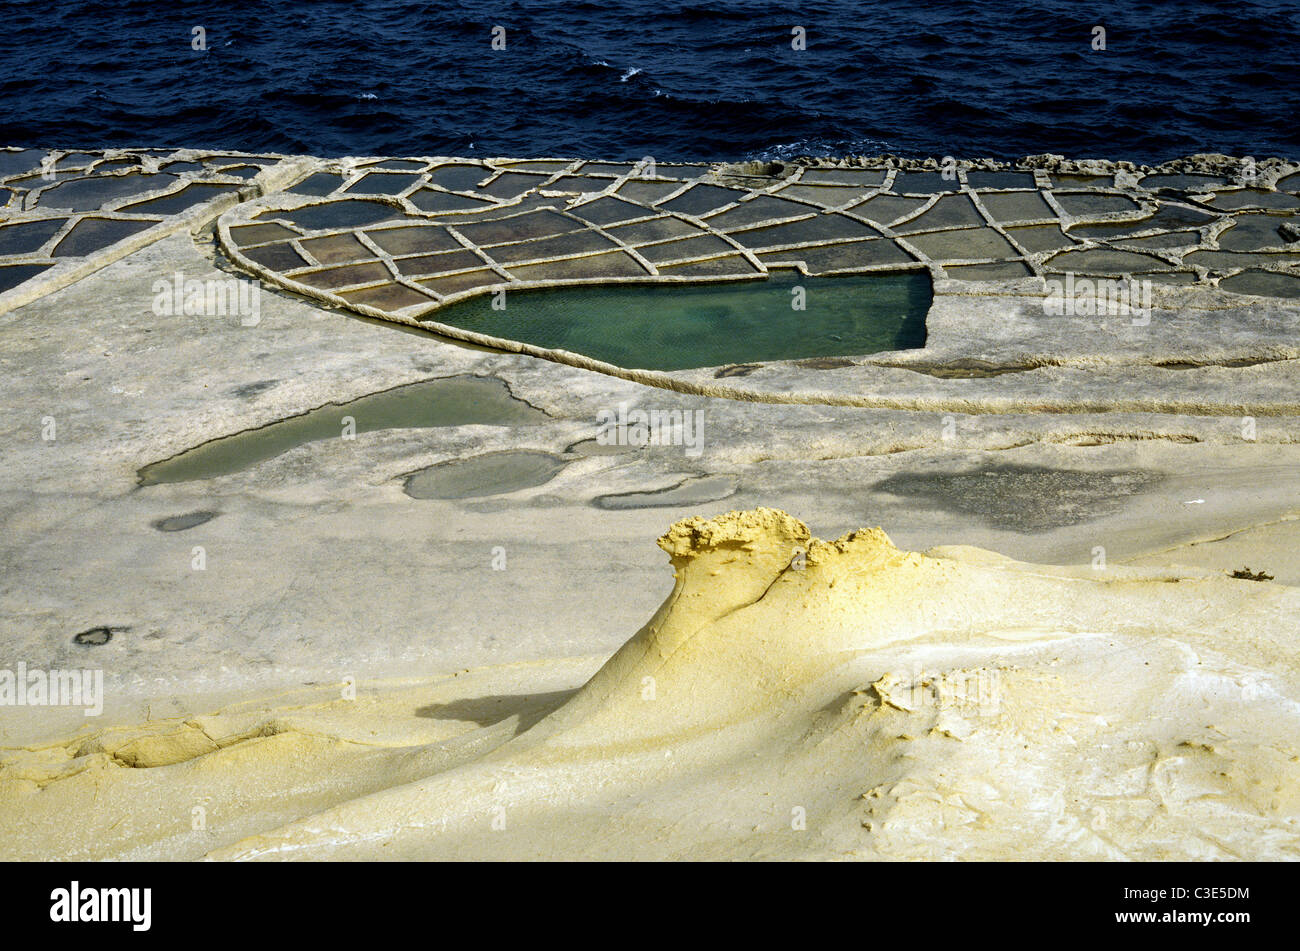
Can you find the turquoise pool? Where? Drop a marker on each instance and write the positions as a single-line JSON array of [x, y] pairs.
[[683, 326]]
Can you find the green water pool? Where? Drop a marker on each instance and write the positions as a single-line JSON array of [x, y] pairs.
[[684, 326], [449, 401]]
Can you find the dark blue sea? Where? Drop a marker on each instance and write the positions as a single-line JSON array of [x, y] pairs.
[[675, 79]]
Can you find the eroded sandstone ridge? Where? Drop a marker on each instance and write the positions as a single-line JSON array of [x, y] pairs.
[[791, 698]]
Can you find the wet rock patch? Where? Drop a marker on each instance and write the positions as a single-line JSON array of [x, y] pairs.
[[448, 401]]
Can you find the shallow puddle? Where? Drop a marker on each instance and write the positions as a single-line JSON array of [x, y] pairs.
[[454, 401], [1262, 283], [13, 275], [183, 200], [89, 194], [27, 237], [493, 473], [348, 213], [94, 234]]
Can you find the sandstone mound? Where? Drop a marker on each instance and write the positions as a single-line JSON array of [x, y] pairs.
[[883, 691], [791, 698]]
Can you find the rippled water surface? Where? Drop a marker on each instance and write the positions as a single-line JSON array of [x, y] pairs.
[[673, 79]]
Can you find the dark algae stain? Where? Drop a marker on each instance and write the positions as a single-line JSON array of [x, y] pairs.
[[1022, 498], [180, 523], [96, 636]]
